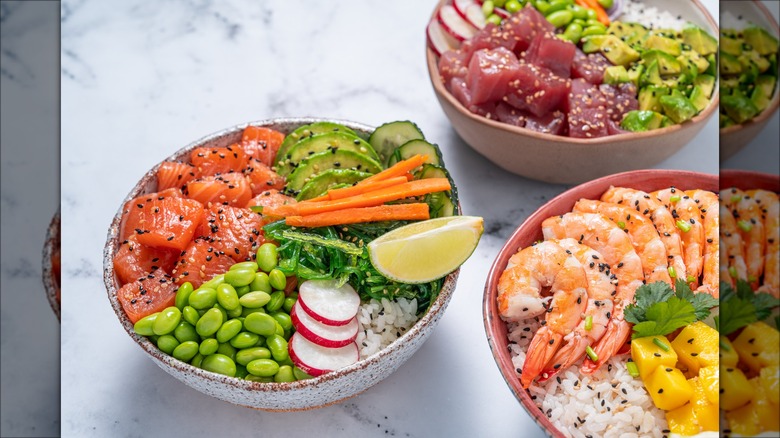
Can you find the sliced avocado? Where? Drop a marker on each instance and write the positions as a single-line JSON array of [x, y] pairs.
[[635, 72], [761, 40], [725, 121], [615, 74], [729, 64], [706, 83], [329, 179], [752, 56], [638, 121], [677, 107], [738, 107], [649, 98], [618, 52], [322, 142], [651, 75], [712, 70], [308, 131], [322, 161], [667, 45], [630, 33], [762, 93], [699, 40], [699, 98], [749, 74], [667, 64], [729, 45], [693, 57]]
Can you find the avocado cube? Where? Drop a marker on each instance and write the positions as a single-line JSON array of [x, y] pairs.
[[729, 64], [615, 74], [753, 56], [725, 121], [749, 73], [629, 32], [667, 64], [667, 45], [706, 83], [730, 45], [635, 72], [699, 40], [651, 75], [678, 108], [712, 70], [761, 40], [762, 93], [689, 56], [738, 107], [649, 98], [617, 51], [640, 121]]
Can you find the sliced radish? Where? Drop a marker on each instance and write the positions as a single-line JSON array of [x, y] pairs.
[[475, 16], [503, 13], [439, 40], [331, 336], [317, 360], [454, 24], [327, 303]]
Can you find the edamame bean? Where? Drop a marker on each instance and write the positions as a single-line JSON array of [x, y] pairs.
[[606, 4], [203, 298], [220, 364], [189, 314], [144, 325], [276, 301], [186, 332], [300, 374], [214, 282], [167, 343], [183, 295], [239, 277], [209, 323], [513, 6], [500, 3], [557, 5], [285, 374], [254, 300], [289, 302], [186, 351], [248, 311], [278, 347], [242, 290], [261, 324], [244, 265], [241, 371], [227, 296], [279, 329], [197, 360], [262, 367], [579, 12], [208, 346], [591, 14], [592, 30], [228, 350], [244, 340], [593, 22], [222, 311], [283, 319], [493, 18], [287, 361], [228, 330], [247, 355], [261, 282], [573, 32], [488, 7], [167, 321], [277, 279], [560, 18], [260, 341], [253, 378], [267, 257], [235, 313]]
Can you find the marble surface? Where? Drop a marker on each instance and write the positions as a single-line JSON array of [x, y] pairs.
[[142, 79]]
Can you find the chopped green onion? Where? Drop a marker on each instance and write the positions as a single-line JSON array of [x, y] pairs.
[[724, 346], [621, 225], [659, 343], [751, 279], [736, 198], [733, 271], [683, 226], [745, 226], [256, 208], [672, 272], [632, 369], [691, 279], [588, 322], [591, 354], [674, 198]]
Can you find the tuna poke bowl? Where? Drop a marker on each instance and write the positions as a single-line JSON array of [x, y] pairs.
[[567, 91], [600, 309], [289, 264]]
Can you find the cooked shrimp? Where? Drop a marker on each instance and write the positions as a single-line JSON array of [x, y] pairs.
[[708, 205], [770, 213], [734, 260], [690, 227], [570, 297], [748, 216], [521, 283], [661, 217], [591, 328], [599, 233], [640, 229]]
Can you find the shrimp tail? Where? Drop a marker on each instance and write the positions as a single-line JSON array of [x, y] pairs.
[[542, 348], [618, 330], [569, 353]]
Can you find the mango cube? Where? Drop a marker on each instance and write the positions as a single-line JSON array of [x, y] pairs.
[[766, 411], [682, 420], [706, 412], [648, 356], [708, 378], [668, 388], [728, 354], [770, 381], [758, 346], [744, 421], [697, 346], [735, 390]]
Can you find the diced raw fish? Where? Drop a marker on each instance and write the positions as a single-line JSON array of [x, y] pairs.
[[461, 92], [613, 128], [620, 99], [510, 115], [489, 74], [452, 64], [588, 123], [589, 67], [489, 37], [551, 52], [537, 90], [584, 95], [550, 123], [522, 27]]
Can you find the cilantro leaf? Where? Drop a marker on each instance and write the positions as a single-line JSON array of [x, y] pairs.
[[764, 303], [702, 302], [645, 296], [735, 313], [665, 317]]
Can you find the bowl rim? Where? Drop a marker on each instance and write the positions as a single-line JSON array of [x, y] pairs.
[[441, 91], [436, 307], [50, 283], [510, 247], [737, 178], [775, 103]]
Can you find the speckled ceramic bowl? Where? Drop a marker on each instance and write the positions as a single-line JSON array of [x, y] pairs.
[[51, 264], [531, 231], [301, 395], [558, 159], [734, 138]]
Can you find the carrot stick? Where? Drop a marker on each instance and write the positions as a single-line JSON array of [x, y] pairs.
[[370, 199], [358, 189], [397, 169], [396, 212], [601, 14]]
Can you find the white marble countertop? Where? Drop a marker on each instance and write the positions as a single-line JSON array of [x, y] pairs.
[[142, 79]]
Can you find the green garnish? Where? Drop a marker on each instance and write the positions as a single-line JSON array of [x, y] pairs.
[[744, 225], [588, 322], [672, 272], [660, 344], [591, 354], [724, 346], [736, 198], [742, 306], [256, 208], [659, 310], [691, 279], [632, 369], [683, 226], [621, 225], [733, 272], [674, 198]]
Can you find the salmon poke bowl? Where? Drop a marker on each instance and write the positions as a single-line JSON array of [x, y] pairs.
[[289, 264], [600, 308], [52, 264], [569, 90]]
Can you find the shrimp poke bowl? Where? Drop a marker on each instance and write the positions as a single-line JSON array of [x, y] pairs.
[[600, 308], [566, 91], [289, 264]]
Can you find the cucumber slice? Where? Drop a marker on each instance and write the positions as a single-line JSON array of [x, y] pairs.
[[307, 131], [389, 136], [414, 147], [322, 161], [330, 179], [441, 204], [322, 142]]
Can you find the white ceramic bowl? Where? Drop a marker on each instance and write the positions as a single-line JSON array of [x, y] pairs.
[[318, 392]]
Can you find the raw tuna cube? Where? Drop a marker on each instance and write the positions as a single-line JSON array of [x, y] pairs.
[[589, 67], [537, 90], [523, 26], [613, 128], [550, 123], [489, 74], [489, 37], [584, 95], [510, 115], [452, 64], [461, 92], [586, 111], [551, 52], [620, 99]]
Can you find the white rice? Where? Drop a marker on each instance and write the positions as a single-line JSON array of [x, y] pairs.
[[636, 11], [382, 322], [608, 403]]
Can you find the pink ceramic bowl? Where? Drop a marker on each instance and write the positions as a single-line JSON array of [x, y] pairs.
[[301, 395], [749, 180], [531, 230], [51, 264], [565, 160]]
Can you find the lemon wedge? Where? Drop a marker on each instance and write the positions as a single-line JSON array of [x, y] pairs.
[[421, 252]]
